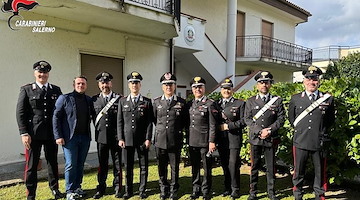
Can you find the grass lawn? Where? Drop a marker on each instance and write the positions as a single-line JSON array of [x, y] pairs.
[[283, 187]]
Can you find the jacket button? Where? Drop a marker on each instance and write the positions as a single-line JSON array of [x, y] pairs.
[[309, 127], [132, 126], [310, 120]]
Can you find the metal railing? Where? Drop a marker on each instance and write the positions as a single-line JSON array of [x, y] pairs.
[[168, 6], [259, 46], [333, 52]]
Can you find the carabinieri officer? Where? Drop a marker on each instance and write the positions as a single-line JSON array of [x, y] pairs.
[[170, 118], [311, 113], [202, 129], [135, 122], [264, 114], [229, 137], [106, 108], [34, 112]]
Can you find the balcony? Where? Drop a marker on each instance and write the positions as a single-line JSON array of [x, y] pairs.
[[265, 49], [149, 18]]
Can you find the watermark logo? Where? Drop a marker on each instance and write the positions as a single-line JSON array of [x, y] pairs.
[[14, 6]]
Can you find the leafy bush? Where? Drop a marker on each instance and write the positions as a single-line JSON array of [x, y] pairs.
[[348, 66], [344, 148]]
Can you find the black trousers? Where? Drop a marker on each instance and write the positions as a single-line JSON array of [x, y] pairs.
[[103, 156], [230, 163], [319, 161], [255, 155], [165, 157], [32, 157], [128, 155], [198, 157]]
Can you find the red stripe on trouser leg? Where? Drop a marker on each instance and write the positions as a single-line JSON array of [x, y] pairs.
[[324, 181], [294, 188], [26, 168], [294, 157]]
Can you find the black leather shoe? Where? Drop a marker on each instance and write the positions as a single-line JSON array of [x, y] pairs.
[[57, 194], [226, 193], [273, 198], [142, 195], [195, 195], [235, 195], [127, 196], [118, 194], [164, 196], [252, 197], [206, 196], [98, 195], [173, 196]]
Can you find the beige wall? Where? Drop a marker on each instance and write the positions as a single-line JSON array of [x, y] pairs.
[[20, 49], [215, 14]]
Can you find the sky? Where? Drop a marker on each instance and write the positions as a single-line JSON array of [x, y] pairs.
[[333, 22]]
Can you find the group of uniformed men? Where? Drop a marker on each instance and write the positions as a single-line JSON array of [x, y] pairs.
[[124, 125]]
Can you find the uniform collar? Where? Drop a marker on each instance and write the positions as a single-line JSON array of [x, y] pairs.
[[109, 95], [173, 97], [41, 85]]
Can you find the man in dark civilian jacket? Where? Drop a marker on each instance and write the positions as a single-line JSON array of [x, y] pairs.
[[311, 113], [135, 118], [71, 122], [171, 117], [264, 114], [201, 137], [34, 112], [106, 108], [229, 137]]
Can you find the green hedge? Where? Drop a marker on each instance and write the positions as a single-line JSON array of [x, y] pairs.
[[344, 148]]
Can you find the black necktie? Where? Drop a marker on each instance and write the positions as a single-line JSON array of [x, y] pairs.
[[106, 99], [264, 99], [224, 104], [133, 100], [44, 88], [168, 101], [312, 97]]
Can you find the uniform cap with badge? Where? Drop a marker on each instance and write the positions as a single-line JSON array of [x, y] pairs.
[[104, 77], [168, 78], [264, 76], [197, 81], [134, 77], [312, 71], [42, 66], [227, 83]]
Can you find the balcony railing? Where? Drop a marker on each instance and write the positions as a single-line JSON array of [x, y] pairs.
[[259, 46], [168, 6]]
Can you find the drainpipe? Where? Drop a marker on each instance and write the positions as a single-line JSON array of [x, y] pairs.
[[231, 39], [171, 45]]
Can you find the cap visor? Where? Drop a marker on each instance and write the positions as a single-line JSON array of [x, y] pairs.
[[197, 84]]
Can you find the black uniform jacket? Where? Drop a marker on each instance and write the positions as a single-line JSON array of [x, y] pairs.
[[170, 121], [34, 110], [272, 118], [232, 115], [134, 122], [312, 129], [202, 122], [106, 129]]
